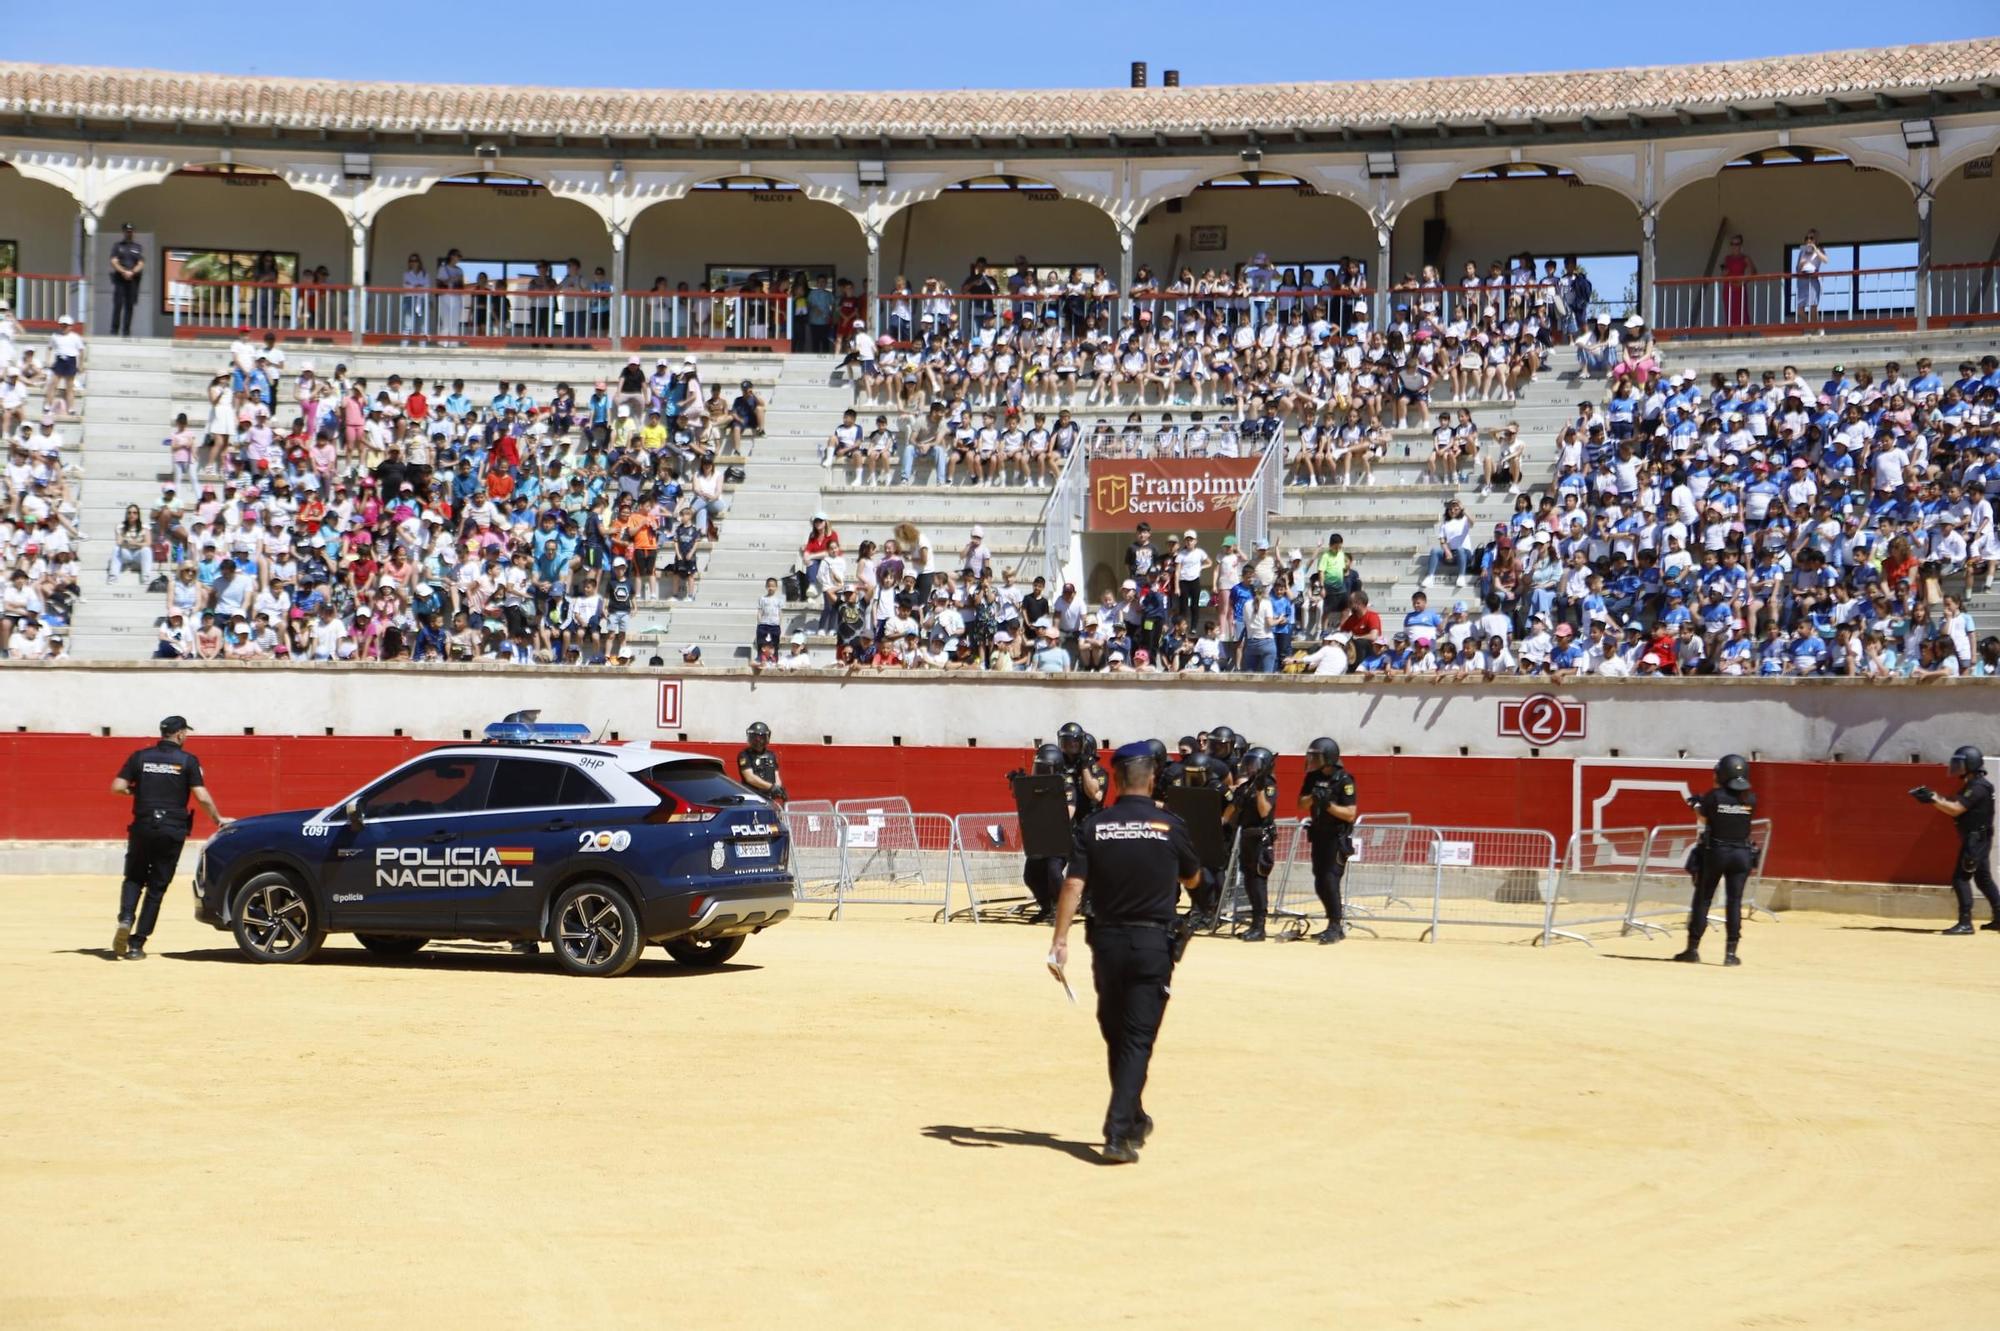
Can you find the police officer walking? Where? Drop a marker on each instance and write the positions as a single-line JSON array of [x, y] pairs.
[[1724, 854], [159, 778], [1328, 806], [757, 765], [1134, 857], [1972, 810], [1252, 811]]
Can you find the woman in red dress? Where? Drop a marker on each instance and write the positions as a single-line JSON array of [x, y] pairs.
[[1736, 266]]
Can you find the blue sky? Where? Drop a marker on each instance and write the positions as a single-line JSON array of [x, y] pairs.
[[902, 44]]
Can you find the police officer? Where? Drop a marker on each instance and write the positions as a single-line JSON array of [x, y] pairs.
[[1043, 874], [1972, 810], [1134, 857], [1724, 854], [1252, 811], [1328, 806], [159, 778], [1203, 771], [757, 765], [1079, 750]]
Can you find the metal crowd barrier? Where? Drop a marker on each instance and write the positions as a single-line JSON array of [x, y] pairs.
[[1599, 868], [990, 864], [1392, 878], [819, 854], [1494, 877]]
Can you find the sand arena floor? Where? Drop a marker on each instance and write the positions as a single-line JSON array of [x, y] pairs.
[[884, 1122]]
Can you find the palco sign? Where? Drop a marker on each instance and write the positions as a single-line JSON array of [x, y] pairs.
[[1198, 493]]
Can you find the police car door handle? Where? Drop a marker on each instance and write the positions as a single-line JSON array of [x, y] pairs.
[[559, 825], [439, 838]]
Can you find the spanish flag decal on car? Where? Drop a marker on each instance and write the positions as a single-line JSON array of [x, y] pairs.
[[517, 854]]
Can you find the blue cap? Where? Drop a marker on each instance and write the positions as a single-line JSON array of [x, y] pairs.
[[1126, 753]]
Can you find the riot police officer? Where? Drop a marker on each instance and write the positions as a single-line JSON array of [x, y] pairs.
[[1328, 806], [1724, 854], [160, 778], [1043, 874], [1203, 771], [1972, 811], [757, 765], [1134, 857], [1252, 811], [1079, 750], [1222, 744]]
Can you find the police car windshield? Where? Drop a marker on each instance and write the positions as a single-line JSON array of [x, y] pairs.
[[696, 783]]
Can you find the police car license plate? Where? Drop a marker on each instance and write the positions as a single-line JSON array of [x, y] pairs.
[[753, 850]]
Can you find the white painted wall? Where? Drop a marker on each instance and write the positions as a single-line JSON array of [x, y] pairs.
[[941, 237], [1289, 225], [41, 219], [1965, 220], [1492, 219], [1794, 721], [783, 228], [484, 222], [206, 212], [1773, 206]]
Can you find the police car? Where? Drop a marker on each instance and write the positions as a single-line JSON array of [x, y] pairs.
[[535, 835]]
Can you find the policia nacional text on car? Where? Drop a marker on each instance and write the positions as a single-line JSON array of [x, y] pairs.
[[1972, 810], [160, 778], [1134, 857]]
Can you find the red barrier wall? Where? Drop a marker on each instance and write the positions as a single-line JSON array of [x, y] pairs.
[[1845, 822]]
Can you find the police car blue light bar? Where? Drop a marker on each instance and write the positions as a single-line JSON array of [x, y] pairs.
[[537, 732]]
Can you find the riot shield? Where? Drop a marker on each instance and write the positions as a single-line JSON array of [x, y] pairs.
[[1200, 807], [1042, 802]]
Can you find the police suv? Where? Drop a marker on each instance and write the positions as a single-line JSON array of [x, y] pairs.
[[532, 836]]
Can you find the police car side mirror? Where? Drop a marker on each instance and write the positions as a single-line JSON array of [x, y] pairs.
[[354, 817]]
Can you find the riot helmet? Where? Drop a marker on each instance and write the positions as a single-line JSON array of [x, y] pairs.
[[1070, 738], [760, 735], [1257, 763], [1967, 760], [1221, 742], [1322, 753], [1048, 760]]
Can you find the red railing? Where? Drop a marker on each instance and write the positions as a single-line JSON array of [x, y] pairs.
[[1962, 294], [486, 316], [711, 320], [1761, 304], [292, 310], [39, 299]]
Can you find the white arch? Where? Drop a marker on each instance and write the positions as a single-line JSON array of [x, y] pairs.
[[1097, 188], [63, 170], [1682, 167], [1336, 180], [1421, 179]]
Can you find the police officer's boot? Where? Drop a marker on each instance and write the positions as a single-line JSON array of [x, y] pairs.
[[1255, 933], [1992, 926], [121, 939], [1120, 1151], [1689, 953], [1962, 929], [1730, 958], [1333, 933]]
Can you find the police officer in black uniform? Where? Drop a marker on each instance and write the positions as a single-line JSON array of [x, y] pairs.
[[1134, 857], [1079, 751], [1328, 806], [1252, 812], [757, 765], [1202, 770], [1972, 811], [1724, 854], [1043, 874], [160, 779]]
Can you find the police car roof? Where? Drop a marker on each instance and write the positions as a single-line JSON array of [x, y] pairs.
[[626, 757]]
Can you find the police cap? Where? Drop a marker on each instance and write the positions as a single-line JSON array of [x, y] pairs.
[[1138, 748], [174, 725]]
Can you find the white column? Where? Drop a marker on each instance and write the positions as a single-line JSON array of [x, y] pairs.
[[617, 287], [1926, 196], [1649, 225], [84, 252], [1122, 306], [1385, 231], [873, 276], [357, 276]]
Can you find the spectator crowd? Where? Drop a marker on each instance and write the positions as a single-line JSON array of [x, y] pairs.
[[40, 489], [325, 518], [1752, 524]]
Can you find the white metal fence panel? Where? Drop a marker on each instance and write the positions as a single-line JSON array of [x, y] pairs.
[[1595, 886], [1495, 877], [1391, 879], [1661, 887], [900, 859], [991, 861], [873, 806], [819, 854]]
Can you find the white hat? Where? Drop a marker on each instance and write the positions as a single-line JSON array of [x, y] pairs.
[[798, 639], [1635, 322], [422, 589], [978, 532], [65, 320], [1118, 656]]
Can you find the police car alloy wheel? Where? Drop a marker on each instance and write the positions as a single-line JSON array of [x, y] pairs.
[[274, 920], [596, 931], [386, 945], [709, 952]]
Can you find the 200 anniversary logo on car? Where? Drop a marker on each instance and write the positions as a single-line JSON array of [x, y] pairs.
[[453, 866]]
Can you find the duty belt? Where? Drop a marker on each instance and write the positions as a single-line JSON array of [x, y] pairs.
[[1160, 925]]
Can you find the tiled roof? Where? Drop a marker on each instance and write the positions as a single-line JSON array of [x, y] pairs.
[[154, 97]]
